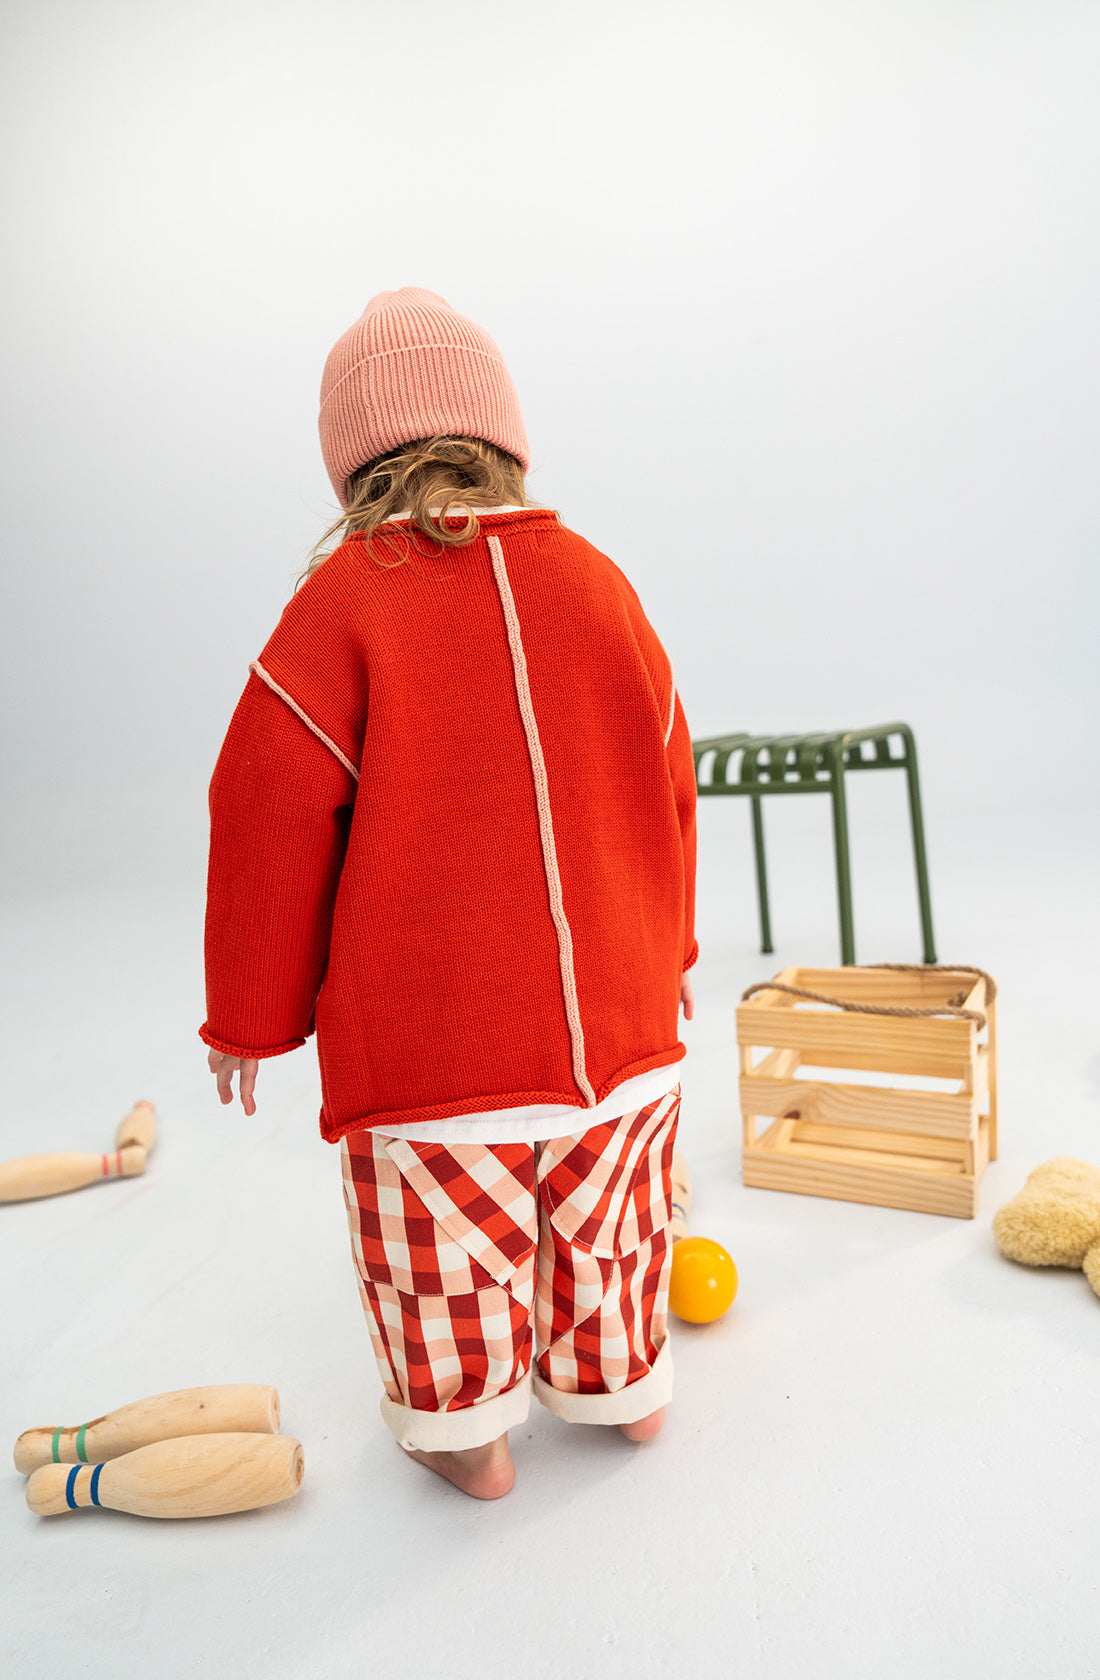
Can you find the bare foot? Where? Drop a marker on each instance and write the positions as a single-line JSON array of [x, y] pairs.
[[483, 1472], [645, 1428]]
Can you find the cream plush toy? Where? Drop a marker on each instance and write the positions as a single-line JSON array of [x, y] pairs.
[[1055, 1220]]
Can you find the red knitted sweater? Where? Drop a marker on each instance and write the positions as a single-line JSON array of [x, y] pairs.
[[453, 825]]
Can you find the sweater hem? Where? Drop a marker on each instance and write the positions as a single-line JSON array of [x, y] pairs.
[[660, 1058], [228, 1049], [487, 1105]]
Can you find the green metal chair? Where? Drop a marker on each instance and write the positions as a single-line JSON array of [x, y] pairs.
[[754, 765]]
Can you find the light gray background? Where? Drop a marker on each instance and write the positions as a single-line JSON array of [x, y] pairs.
[[800, 299]]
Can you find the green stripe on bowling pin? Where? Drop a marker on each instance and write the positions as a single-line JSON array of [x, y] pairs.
[[55, 1444]]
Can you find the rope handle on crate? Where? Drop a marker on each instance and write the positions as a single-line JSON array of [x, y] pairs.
[[954, 1008]]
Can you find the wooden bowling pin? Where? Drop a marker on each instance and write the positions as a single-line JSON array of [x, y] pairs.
[[225, 1407], [681, 1196], [139, 1127], [51, 1175], [192, 1476]]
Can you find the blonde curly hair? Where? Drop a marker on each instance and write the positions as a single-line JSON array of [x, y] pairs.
[[431, 481]]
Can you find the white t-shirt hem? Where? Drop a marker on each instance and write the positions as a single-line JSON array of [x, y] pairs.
[[539, 1121]]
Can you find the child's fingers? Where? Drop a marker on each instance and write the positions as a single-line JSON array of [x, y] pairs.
[[249, 1069], [225, 1071], [224, 1067]]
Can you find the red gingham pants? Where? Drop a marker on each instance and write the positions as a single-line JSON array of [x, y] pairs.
[[470, 1255]]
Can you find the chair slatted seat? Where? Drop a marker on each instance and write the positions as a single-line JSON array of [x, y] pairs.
[[751, 766]]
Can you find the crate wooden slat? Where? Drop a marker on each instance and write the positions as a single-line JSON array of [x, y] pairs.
[[922, 1149]]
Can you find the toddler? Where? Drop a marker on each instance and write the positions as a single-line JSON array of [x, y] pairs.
[[453, 829]]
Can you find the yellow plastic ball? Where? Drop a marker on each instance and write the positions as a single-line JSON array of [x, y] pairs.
[[704, 1280]]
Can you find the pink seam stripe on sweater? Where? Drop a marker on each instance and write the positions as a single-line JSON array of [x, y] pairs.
[[546, 820]]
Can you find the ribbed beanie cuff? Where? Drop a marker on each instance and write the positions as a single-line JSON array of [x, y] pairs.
[[410, 368]]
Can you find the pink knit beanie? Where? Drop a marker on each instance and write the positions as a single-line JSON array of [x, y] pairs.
[[410, 368]]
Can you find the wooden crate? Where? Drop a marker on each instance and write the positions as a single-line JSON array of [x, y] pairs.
[[922, 1145]]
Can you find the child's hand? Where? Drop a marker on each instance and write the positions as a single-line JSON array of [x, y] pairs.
[[687, 998], [223, 1068]]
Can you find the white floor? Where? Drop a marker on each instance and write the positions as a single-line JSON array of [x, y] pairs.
[[883, 1463]]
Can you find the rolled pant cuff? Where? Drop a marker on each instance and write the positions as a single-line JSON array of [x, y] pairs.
[[626, 1405], [472, 1426]]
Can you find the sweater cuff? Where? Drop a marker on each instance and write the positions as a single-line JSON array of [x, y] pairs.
[[228, 1049], [692, 957]]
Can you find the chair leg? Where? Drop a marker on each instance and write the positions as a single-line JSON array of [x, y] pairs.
[[843, 861], [761, 875], [916, 822]]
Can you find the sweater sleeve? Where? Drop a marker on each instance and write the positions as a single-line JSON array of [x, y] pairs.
[[280, 810], [681, 760], [681, 763]]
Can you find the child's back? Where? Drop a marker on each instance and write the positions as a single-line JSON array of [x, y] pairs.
[[510, 924]]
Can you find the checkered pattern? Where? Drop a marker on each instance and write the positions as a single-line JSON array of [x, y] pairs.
[[605, 1251], [468, 1256]]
